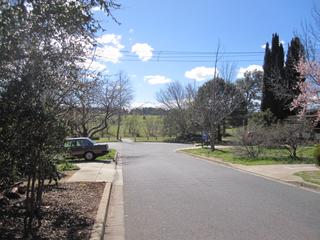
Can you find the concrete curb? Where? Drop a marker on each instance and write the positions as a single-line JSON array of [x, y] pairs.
[[98, 229], [97, 232], [115, 160], [292, 183], [305, 184]]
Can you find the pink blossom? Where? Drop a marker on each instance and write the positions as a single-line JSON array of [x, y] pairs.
[[309, 97]]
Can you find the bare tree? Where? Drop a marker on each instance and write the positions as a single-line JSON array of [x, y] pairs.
[[216, 100], [125, 97], [153, 126], [178, 100], [97, 101]]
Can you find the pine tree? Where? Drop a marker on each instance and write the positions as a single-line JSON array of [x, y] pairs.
[[273, 78], [294, 55]]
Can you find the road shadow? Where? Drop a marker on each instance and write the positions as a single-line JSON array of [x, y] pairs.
[[108, 161]]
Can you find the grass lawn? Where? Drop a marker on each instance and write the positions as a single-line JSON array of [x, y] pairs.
[[310, 176], [269, 156], [103, 140], [110, 155], [154, 139], [67, 166]]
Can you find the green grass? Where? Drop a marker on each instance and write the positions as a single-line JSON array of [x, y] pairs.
[[310, 176], [106, 139], [154, 139], [67, 166], [110, 155], [270, 156]]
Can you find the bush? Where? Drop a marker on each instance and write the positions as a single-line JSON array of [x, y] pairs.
[[317, 154], [250, 141], [67, 166]]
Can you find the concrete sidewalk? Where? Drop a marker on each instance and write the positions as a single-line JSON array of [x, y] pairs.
[[97, 171], [94, 172]]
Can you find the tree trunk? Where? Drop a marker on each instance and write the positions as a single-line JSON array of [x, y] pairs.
[[219, 135], [119, 123], [213, 137]]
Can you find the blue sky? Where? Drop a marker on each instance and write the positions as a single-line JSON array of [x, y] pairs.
[[174, 40]]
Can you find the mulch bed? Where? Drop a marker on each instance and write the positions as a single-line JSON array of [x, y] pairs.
[[69, 211]]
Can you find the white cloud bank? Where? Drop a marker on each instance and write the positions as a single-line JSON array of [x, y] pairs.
[[156, 79], [250, 68], [109, 48], [143, 51], [201, 73], [144, 104], [94, 65]]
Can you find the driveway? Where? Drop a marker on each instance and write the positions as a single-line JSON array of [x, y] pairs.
[[95, 171], [170, 195]]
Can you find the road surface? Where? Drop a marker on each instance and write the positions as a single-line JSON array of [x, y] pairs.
[[170, 195]]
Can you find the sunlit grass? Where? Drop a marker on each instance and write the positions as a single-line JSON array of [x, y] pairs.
[[268, 157]]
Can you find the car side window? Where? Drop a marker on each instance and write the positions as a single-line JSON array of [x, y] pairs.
[[67, 144], [85, 143]]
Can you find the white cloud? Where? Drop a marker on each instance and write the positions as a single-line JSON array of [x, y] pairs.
[[131, 30], [201, 73], [143, 51], [96, 9], [93, 65], [109, 48], [157, 79], [250, 68], [144, 104]]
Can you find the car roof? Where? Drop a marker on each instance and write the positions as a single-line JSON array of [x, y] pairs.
[[78, 138]]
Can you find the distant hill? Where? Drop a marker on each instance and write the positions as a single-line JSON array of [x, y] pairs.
[[148, 111]]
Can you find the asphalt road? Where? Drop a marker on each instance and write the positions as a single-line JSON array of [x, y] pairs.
[[169, 195]]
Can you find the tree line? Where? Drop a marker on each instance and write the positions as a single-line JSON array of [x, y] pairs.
[[268, 95]]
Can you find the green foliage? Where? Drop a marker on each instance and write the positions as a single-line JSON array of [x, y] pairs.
[[317, 154], [265, 118], [40, 49], [269, 156], [67, 166], [110, 155], [280, 79], [273, 68]]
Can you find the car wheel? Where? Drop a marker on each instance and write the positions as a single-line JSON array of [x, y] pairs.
[[89, 156]]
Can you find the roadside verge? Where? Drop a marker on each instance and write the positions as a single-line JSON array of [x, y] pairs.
[[281, 173]]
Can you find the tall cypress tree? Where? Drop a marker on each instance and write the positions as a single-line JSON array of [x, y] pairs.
[[292, 75], [273, 79], [267, 96]]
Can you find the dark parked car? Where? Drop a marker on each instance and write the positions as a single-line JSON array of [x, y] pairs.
[[84, 147]]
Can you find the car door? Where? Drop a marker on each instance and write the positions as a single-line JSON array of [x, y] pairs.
[[76, 147]]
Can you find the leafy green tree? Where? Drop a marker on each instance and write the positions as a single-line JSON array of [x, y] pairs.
[[250, 86], [41, 45]]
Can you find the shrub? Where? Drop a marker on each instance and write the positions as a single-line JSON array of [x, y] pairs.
[[250, 140], [317, 154]]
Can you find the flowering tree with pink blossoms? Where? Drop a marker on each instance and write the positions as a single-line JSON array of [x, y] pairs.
[[309, 97]]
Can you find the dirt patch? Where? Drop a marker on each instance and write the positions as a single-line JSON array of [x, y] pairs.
[[69, 211]]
